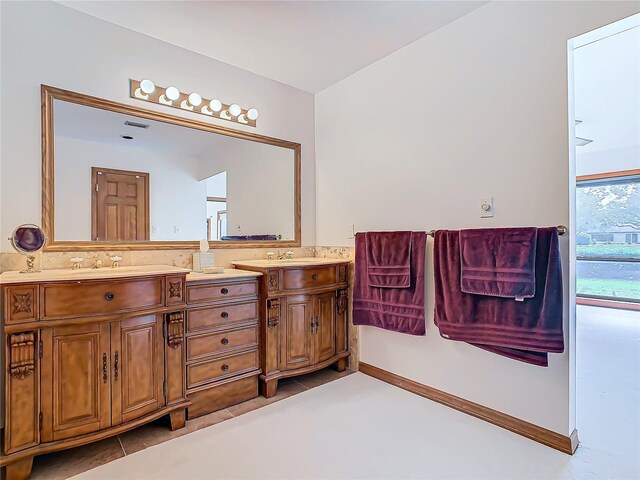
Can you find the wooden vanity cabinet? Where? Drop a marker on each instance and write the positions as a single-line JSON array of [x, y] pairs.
[[222, 341], [78, 371], [304, 318]]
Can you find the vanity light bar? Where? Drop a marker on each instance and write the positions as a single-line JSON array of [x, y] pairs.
[[193, 102]]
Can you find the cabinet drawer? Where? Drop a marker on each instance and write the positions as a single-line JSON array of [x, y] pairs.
[[222, 395], [212, 343], [21, 304], [213, 293], [308, 278], [94, 298], [199, 319], [203, 372]]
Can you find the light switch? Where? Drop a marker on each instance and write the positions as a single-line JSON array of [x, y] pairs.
[[351, 231], [486, 207]]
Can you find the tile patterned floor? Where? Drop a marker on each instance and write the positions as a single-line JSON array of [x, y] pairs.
[[65, 464]]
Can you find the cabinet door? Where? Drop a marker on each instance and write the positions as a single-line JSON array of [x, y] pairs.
[[325, 326], [296, 340], [76, 394], [137, 367]]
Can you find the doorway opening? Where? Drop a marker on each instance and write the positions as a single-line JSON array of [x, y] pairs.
[[604, 114]]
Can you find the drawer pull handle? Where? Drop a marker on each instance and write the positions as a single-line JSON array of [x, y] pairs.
[[224, 314], [225, 367], [115, 367], [314, 276], [225, 341], [109, 296], [224, 291]]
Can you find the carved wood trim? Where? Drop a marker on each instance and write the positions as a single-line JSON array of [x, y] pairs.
[[274, 279], [273, 312], [342, 274], [22, 355], [175, 329], [21, 303], [175, 289], [49, 94], [342, 301]]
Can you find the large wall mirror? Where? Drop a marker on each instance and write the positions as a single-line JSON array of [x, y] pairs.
[[121, 177]]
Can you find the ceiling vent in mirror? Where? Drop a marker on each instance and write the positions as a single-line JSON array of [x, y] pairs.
[[136, 124]]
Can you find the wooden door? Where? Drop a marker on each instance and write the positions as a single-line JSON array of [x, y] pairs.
[[76, 385], [137, 367], [296, 332], [325, 327], [120, 205]]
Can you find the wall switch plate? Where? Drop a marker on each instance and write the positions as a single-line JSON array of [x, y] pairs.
[[486, 207], [351, 231]]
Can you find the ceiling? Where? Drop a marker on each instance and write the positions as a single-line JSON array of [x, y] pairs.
[[102, 126], [607, 92], [309, 45]]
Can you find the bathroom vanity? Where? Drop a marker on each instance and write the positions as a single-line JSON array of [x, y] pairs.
[[303, 312], [89, 354]]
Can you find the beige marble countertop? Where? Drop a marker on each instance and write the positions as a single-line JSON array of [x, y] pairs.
[[294, 262], [89, 273], [228, 274]]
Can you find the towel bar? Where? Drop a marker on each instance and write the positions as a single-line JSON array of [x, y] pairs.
[[561, 231]]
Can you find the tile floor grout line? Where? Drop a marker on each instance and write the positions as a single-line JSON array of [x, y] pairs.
[[301, 384], [121, 445], [232, 415]]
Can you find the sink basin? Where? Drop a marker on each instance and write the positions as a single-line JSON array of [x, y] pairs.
[[107, 270], [293, 260]]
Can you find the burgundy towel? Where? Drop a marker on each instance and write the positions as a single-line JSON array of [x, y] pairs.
[[499, 262], [522, 330], [388, 259], [397, 309]]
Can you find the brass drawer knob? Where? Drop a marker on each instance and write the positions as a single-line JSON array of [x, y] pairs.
[[109, 296], [224, 291], [224, 314], [225, 367], [225, 341]]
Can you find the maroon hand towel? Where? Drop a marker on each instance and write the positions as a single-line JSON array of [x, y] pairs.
[[499, 262], [397, 309], [526, 330], [388, 259]]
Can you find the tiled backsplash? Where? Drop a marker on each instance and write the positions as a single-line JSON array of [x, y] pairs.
[[179, 258]]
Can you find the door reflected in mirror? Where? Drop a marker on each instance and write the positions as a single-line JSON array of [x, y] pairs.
[[124, 178]]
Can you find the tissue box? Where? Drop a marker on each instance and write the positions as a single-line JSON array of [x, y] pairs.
[[202, 260]]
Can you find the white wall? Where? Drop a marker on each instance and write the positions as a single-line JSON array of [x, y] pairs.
[[260, 194], [475, 109], [177, 197], [47, 43]]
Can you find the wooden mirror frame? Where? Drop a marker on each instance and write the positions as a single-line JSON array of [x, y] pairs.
[[49, 94]]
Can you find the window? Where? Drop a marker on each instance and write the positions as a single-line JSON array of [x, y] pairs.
[[607, 248]]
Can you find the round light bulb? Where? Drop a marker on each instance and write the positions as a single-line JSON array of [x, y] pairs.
[[147, 86], [215, 105], [235, 110], [172, 93], [195, 99], [252, 114]]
